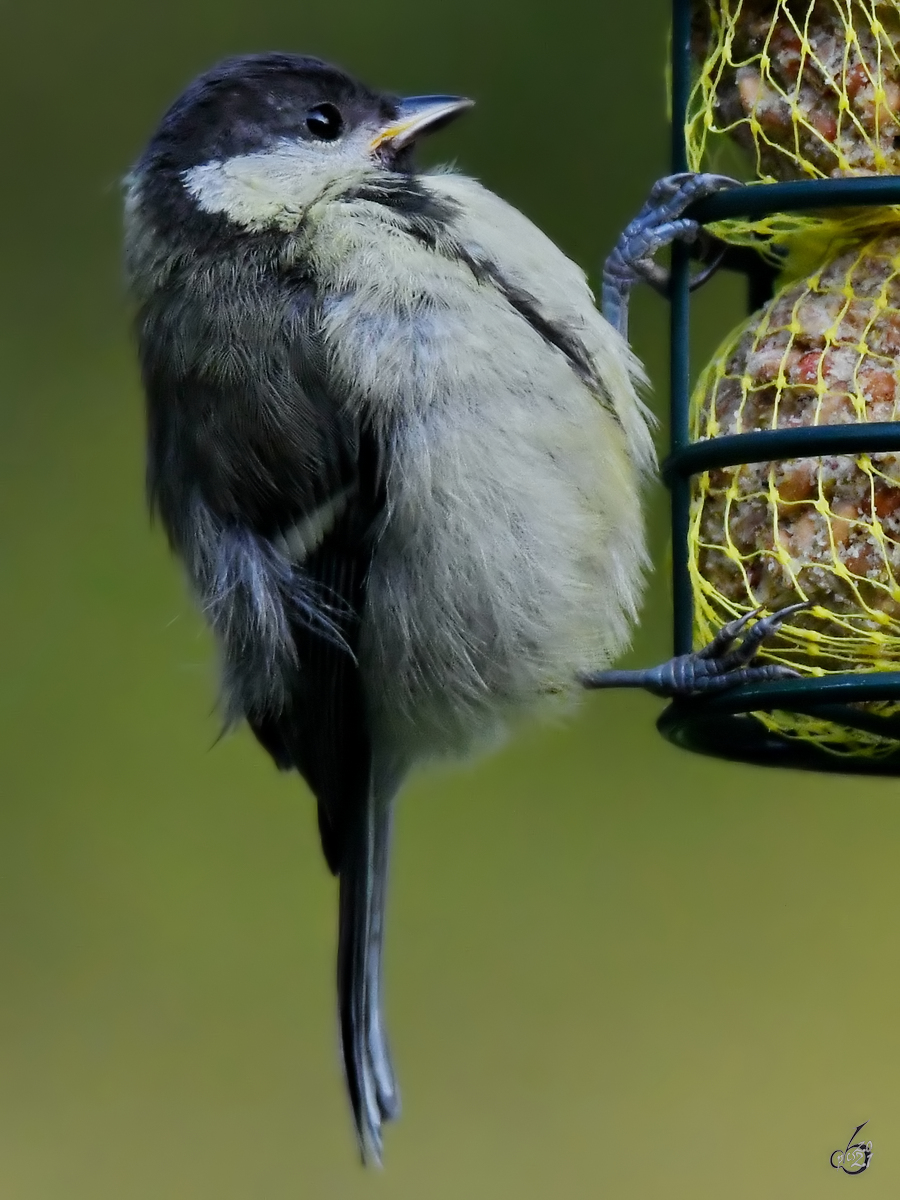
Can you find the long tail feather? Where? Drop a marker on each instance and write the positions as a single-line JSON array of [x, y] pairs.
[[363, 883]]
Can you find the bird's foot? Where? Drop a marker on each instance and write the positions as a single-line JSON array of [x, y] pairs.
[[659, 223], [726, 662]]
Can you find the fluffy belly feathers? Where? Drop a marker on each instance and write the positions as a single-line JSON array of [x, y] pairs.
[[512, 551]]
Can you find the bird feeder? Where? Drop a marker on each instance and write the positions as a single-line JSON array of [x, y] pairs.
[[753, 723]]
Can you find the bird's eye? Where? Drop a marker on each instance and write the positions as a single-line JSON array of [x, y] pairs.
[[325, 122]]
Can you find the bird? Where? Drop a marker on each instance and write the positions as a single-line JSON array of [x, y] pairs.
[[397, 448]]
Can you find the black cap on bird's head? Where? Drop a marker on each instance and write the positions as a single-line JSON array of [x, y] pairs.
[[311, 121]]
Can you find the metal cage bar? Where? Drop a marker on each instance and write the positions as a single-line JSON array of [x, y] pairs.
[[721, 725]]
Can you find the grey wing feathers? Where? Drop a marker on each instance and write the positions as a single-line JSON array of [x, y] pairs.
[[273, 500]]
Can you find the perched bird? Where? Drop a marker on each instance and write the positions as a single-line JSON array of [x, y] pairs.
[[396, 446]]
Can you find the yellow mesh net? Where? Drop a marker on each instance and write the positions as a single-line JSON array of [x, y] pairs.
[[805, 89], [796, 89]]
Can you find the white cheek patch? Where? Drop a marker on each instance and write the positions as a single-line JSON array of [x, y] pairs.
[[274, 187], [253, 190]]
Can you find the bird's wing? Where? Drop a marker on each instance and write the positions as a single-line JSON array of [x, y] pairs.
[[321, 729], [270, 493]]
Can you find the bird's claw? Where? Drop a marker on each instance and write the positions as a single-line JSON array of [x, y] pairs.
[[659, 223], [724, 663]]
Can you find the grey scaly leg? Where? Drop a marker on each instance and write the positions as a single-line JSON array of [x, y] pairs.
[[659, 223], [727, 660], [723, 664]]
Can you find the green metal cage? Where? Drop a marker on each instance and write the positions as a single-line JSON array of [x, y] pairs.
[[721, 725]]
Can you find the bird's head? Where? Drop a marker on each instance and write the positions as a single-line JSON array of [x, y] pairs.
[[260, 138]]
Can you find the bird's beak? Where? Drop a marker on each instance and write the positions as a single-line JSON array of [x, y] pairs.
[[418, 115]]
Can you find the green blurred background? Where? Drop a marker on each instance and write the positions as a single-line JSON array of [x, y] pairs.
[[614, 969]]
